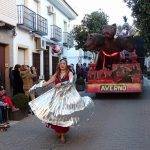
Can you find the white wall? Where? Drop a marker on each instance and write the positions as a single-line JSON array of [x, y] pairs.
[[8, 12], [75, 56], [60, 18], [72, 55], [26, 41]]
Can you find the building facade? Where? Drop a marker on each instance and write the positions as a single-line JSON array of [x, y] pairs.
[[29, 31], [42, 24], [8, 22]]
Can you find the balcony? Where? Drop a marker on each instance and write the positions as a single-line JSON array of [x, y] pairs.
[[67, 39], [26, 18], [29, 20], [41, 26], [56, 33]]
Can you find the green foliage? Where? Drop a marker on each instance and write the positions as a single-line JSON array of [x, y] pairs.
[[141, 13], [80, 35], [95, 21], [91, 23], [21, 101]]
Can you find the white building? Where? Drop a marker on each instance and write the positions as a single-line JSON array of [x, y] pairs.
[[41, 24], [28, 31], [8, 21]]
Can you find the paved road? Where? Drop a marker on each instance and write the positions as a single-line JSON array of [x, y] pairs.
[[119, 122]]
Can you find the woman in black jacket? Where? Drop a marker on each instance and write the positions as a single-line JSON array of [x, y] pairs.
[[17, 82]]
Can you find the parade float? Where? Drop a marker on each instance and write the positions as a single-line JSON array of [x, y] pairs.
[[117, 69]]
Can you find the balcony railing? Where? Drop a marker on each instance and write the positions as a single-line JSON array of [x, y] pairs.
[[67, 39], [42, 26], [26, 17], [56, 33]]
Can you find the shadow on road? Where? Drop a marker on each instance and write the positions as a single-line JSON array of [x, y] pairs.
[[118, 96]]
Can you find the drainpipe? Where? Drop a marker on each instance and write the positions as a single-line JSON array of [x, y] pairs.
[[41, 66]]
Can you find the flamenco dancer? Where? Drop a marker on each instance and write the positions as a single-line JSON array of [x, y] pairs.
[[59, 106]]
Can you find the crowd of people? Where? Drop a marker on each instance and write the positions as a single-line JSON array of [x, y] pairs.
[[22, 78], [82, 70]]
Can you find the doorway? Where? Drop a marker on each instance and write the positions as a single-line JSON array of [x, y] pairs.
[[36, 62], [46, 63]]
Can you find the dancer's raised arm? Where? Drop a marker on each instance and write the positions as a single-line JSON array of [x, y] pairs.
[[70, 77], [51, 80]]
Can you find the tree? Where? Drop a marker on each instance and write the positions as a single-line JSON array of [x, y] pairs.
[[91, 23], [141, 13], [80, 34]]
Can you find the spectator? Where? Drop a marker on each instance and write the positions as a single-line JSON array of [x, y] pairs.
[[27, 78], [35, 76], [17, 82], [85, 71], [7, 100], [78, 71]]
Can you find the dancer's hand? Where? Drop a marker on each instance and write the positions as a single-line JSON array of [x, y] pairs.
[[58, 85]]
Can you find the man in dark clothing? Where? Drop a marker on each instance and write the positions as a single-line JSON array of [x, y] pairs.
[[85, 71], [17, 82]]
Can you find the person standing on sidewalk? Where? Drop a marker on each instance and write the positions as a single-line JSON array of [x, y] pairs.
[[17, 82], [59, 106], [27, 77]]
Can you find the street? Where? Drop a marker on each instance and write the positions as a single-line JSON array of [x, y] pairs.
[[119, 122]]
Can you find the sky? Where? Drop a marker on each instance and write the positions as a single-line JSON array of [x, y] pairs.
[[115, 9]]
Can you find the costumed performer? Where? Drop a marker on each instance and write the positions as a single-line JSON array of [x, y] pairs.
[[60, 105]]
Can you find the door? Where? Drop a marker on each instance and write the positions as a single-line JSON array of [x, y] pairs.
[[55, 61], [36, 62], [46, 64], [2, 64], [21, 56]]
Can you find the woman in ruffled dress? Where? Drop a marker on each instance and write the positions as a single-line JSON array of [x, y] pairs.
[[59, 106]]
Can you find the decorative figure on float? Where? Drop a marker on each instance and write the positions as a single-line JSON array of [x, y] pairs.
[[108, 47]]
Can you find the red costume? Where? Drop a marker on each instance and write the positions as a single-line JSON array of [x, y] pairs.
[[106, 59], [8, 101]]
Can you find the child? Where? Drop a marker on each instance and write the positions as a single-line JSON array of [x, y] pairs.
[[7, 100]]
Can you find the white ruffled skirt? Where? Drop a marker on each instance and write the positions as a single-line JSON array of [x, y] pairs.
[[60, 106]]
